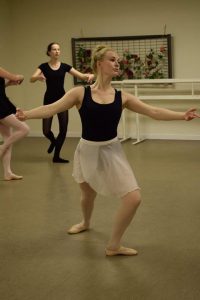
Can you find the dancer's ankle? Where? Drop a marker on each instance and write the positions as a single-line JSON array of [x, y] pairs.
[[113, 246]]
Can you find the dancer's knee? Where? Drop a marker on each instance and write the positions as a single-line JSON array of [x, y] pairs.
[[133, 198], [26, 130], [137, 197], [87, 193]]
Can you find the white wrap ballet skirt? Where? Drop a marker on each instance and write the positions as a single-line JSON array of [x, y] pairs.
[[104, 166]]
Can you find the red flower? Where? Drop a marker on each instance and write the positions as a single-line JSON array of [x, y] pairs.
[[162, 49]]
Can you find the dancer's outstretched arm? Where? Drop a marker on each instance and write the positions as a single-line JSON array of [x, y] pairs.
[[135, 104], [72, 98]]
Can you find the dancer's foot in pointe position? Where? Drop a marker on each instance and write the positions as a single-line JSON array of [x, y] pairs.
[[12, 176], [77, 228]]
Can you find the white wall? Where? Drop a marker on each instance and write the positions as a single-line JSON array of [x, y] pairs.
[[5, 34], [28, 26]]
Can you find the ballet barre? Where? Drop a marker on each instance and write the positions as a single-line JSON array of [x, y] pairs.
[[136, 84]]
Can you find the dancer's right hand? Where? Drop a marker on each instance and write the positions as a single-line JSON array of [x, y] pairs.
[[41, 77], [20, 79], [20, 114]]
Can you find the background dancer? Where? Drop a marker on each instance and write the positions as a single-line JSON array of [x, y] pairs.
[[53, 73]]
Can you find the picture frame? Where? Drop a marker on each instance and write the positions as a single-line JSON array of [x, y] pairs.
[[141, 57]]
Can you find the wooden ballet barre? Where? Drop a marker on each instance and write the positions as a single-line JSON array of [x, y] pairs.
[[163, 81], [135, 83]]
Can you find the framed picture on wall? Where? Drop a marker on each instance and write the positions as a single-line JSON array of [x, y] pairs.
[[141, 57]]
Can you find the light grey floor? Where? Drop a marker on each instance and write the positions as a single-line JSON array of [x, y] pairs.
[[40, 261]]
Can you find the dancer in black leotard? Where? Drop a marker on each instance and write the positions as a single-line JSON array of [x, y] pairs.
[[53, 73], [8, 122], [100, 165]]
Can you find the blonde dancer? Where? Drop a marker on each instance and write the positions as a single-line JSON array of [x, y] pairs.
[[100, 165]]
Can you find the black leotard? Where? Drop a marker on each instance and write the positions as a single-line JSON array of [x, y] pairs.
[[54, 81], [100, 121]]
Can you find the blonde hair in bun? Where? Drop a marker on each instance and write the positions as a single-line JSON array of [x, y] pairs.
[[98, 54]]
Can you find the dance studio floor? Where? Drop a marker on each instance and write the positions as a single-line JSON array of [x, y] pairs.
[[40, 261]]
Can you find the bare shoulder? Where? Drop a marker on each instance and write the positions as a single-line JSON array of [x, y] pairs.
[[77, 91], [78, 94], [127, 98]]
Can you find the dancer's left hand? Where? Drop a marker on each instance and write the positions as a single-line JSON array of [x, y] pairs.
[[191, 114], [90, 78]]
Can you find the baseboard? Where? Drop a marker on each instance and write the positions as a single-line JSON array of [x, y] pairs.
[[169, 137]]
